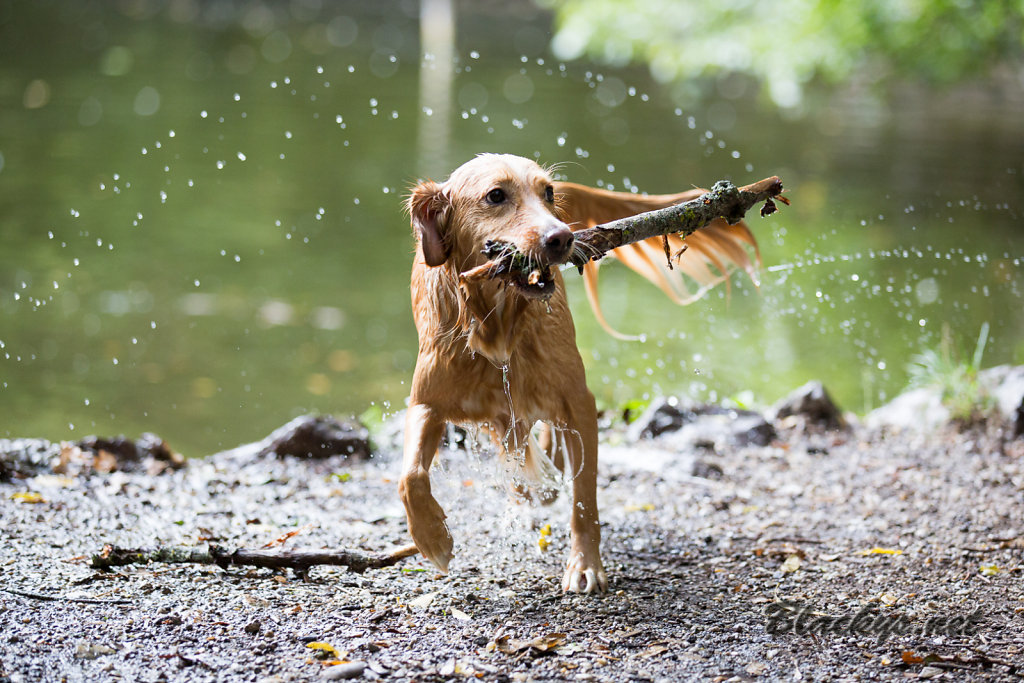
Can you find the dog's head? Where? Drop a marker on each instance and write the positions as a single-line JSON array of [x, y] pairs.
[[494, 197]]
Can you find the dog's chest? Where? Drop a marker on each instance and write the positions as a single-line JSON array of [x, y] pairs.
[[509, 393]]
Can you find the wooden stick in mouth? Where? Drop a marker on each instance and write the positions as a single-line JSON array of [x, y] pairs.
[[724, 200]]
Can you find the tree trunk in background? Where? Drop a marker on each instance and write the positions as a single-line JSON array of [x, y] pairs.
[[437, 51]]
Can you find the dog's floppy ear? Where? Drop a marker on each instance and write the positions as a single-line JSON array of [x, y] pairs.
[[429, 207]]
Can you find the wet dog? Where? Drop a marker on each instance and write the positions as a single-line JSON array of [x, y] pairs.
[[503, 353]]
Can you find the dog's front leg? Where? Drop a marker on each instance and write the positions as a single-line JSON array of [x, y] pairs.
[[584, 572], [423, 431]]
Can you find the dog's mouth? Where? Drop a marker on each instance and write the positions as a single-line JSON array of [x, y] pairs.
[[531, 277], [538, 283]]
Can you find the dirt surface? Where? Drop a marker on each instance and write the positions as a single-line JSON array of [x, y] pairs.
[[720, 557]]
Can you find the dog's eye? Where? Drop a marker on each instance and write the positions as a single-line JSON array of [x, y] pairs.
[[496, 196], [549, 193]]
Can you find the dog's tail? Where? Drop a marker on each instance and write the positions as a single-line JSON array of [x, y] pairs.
[[710, 253]]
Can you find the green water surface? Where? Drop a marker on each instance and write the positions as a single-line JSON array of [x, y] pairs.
[[201, 232]]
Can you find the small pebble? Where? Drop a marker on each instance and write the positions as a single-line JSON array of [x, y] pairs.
[[341, 672], [88, 650]]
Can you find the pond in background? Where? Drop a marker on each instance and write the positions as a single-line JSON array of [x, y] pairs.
[[202, 232]]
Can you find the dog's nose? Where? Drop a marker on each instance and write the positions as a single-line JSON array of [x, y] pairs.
[[557, 241]]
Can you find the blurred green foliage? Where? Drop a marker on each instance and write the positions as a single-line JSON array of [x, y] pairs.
[[787, 44], [954, 374]]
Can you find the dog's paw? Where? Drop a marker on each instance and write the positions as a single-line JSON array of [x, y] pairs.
[[430, 534], [583, 576]]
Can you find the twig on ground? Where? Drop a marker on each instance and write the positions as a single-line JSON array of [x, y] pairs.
[[298, 560], [789, 539], [62, 598]]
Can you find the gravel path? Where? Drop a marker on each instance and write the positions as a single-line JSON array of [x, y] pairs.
[[722, 561]]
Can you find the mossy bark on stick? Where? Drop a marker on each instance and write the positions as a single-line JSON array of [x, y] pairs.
[[724, 200], [297, 560]]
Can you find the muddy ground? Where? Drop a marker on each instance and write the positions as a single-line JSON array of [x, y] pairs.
[[726, 562]]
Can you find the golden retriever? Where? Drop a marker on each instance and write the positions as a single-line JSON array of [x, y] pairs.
[[503, 354]]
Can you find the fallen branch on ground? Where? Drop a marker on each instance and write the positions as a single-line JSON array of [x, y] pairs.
[[724, 200], [298, 560], [63, 598]]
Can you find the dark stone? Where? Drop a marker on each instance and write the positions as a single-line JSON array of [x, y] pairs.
[[134, 455], [153, 446], [706, 470], [662, 415], [21, 458], [751, 429], [121, 447], [706, 426], [319, 436], [812, 403]]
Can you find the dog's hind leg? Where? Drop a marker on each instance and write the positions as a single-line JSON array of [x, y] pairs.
[[423, 431]]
